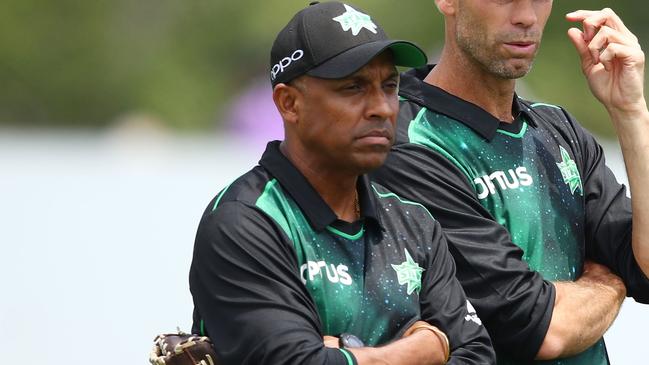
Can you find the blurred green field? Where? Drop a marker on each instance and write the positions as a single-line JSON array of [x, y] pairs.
[[85, 64]]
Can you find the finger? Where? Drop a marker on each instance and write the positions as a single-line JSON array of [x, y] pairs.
[[601, 16], [604, 36], [577, 38], [612, 35], [616, 21], [607, 56], [580, 15], [588, 19], [613, 52], [593, 19]]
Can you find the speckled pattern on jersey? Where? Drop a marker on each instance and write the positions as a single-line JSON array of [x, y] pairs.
[[513, 175], [369, 304]]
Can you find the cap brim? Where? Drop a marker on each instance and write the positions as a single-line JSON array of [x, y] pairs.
[[344, 64]]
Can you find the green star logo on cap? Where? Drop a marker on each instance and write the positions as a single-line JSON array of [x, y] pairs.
[[355, 20], [570, 174], [409, 273]]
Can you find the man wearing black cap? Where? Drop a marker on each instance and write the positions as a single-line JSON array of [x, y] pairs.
[[302, 260]]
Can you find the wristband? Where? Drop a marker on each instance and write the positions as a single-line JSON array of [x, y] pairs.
[[440, 335]]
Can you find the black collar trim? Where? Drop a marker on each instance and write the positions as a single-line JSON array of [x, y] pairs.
[[413, 87], [316, 210]]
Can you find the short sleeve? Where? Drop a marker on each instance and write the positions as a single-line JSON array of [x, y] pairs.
[[608, 217]]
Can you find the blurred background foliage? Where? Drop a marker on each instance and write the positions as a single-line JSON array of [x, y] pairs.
[[88, 63]]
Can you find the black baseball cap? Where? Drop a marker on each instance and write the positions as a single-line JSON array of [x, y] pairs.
[[332, 40]]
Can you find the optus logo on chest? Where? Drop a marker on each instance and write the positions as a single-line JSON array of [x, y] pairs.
[[333, 273], [502, 180]]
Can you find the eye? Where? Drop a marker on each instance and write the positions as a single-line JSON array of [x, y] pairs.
[[352, 86], [391, 85]]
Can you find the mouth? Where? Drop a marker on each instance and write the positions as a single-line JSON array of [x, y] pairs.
[[521, 48], [377, 137]]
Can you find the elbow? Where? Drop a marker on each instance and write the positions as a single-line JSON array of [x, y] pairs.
[[553, 346], [558, 335]]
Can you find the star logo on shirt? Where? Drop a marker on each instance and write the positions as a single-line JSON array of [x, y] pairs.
[[355, 20], [570, 173], [409, 273]]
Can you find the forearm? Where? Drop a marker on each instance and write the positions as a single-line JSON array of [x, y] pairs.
[[583, 311], [633, 133], [420, 348]]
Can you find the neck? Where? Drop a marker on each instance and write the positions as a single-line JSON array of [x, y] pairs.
[[337, 188], [467, 80]]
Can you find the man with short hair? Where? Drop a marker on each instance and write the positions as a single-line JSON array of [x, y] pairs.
[[520, 188], [302, 260]]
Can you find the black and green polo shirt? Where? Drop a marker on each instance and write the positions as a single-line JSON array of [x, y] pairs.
[[522, 204], [274, 270]]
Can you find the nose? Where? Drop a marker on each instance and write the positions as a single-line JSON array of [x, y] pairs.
[[381, 105], [524, 13]]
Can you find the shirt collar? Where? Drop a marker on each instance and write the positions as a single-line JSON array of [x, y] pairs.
[[316, 210], [413, 87]]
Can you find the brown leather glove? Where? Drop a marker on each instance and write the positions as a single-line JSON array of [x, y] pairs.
[[182, 349]]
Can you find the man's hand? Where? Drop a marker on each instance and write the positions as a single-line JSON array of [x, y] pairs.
[[611, 59], [598, 273], [418, 346], [331, 342]]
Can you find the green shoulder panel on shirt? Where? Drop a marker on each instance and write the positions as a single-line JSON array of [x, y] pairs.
[[273, 202], [395, 196], [441, 134], [289, 217]]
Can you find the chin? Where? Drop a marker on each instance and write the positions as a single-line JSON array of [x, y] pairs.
[[510, 70], [369, 164], [520, 68]]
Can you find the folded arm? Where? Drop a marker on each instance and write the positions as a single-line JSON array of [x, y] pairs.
[[422, 347], [583, 311]]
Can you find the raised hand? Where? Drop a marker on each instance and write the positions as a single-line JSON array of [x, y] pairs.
[[611, 59]]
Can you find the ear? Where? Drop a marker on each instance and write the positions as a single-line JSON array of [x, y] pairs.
[[446, 7], [287, 101]]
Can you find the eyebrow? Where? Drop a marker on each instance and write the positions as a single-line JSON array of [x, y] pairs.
[[361, 77]]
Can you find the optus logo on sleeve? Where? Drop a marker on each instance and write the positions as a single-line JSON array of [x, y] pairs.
[[285, 62]]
